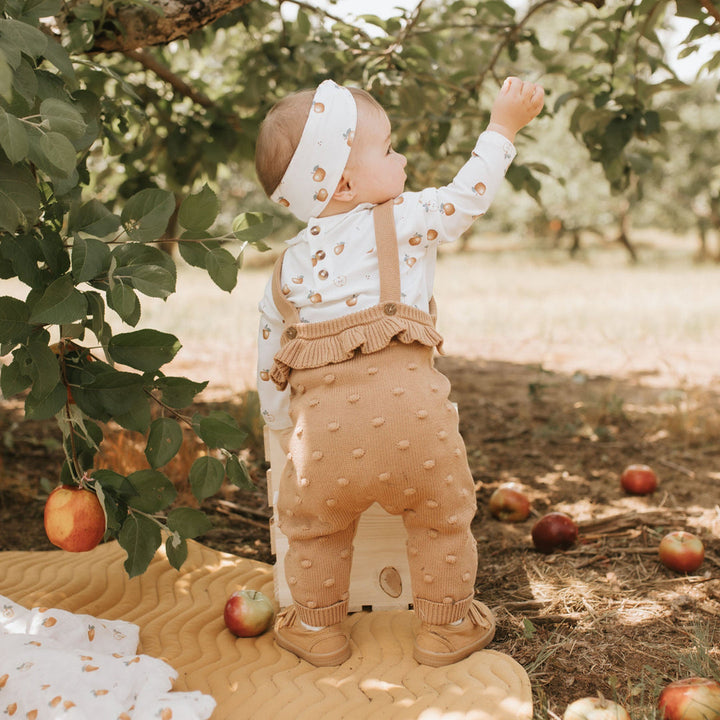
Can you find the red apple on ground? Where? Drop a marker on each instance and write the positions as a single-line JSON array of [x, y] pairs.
[[693, 698], [509, 503], [595, 708], [681, 551], [248, 613], [74, 518], [639, 480], [554, 531]]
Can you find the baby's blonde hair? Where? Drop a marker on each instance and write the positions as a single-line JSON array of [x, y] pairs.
[[280, 134]]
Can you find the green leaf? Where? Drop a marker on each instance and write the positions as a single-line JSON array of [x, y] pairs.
[[58, 56], [252, 227], [29, 39], [222, 268], [146, 214], [123, 300], [6, 77], [140, 537], [206, 477], [164, 441], [60, 303], [178, 392], [93, 218], [44, 366], [198, 212], [238, 474], [90, 258], [144, 350], [154, 491], [218, 429], [54, 153], [19, 198], [43, 407], [13, 137], [194, 253], [177, 551], [148, 269], [115, 482], [14, 316], [14, 378], [188, 522], [61, 117]]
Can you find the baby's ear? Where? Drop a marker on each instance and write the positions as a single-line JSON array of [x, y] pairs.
[[343, 191]]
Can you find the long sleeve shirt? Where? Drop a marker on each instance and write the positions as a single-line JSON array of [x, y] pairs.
[[330, 268]]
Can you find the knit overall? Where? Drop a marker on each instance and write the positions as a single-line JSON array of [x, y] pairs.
[[372, 423]]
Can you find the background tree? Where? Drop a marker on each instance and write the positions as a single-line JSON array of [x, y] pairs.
[[116, 116]]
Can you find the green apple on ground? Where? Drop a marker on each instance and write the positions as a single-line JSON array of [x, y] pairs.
[[74, 518], [248, 613], [595, 708], [681, 551], [693, 698]]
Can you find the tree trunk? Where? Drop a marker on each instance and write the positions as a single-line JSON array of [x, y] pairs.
[[130, 27]]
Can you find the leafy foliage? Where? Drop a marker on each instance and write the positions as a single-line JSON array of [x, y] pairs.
[[103, 156]]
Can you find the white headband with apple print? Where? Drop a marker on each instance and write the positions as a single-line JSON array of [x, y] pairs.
[[319, 160]]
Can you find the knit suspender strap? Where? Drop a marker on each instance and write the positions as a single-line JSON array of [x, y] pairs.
[[387, 248], [285, 307]]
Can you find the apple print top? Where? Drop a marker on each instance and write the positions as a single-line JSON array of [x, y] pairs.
[[331, 268]]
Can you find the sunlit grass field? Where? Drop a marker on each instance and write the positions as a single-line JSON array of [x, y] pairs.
[[499, 300]]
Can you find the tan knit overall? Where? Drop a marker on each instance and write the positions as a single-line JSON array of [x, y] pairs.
[[372, 422]]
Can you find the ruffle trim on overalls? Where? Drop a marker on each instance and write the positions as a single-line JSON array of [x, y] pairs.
[[313, 345]]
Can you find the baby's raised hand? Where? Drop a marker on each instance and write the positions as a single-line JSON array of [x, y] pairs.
[[517, 103]]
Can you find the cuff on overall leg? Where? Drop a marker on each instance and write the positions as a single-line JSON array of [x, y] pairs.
[[324, 616], [440, 613]]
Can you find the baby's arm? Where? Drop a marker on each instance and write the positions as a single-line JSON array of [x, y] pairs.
[[517, 103]]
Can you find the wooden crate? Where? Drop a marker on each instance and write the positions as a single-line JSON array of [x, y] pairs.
[[380, 577]]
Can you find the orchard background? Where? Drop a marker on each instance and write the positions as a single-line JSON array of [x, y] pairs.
[[581, 317]]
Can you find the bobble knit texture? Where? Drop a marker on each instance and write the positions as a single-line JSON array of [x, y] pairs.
[[374, 425]]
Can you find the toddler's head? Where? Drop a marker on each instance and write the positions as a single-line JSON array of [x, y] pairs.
[[325, 151]]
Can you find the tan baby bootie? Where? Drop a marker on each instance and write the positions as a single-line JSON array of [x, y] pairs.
[[329, 646], [438, 645]]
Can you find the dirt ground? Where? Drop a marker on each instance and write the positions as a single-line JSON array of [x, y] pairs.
[[604, 616]]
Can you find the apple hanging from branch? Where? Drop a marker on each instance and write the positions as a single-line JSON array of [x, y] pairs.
[[74, 518]]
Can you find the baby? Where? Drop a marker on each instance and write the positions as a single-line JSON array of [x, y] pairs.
[[346, 363]]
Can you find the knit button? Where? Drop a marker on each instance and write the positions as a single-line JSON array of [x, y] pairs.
[[409, 491], [432, 534], [299, 389], [303, 482], [317, 455], [314, 402], [329, 379], [429, 464], [457, 452], [390, 308], [466, 576], [306, 564], [432, 503], [412, 366], [384, 477], [329, 582], [428, 579], [315, 230], [312, 604], [345, 596], [333, 426], [403, 445], [452, 520], [345, 554], [353, 398], [331, 502], [451, 559], [378, 422], [449, 480], [372, 370], [292, 580], [422, 414], [357, 453], [442, 435], [343, 481], [291, 333], [447, 600], [397, 391], [413, 551]]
